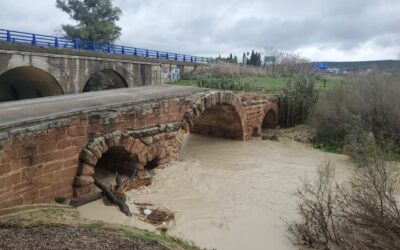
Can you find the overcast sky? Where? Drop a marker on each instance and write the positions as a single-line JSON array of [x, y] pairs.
[[318, 29]]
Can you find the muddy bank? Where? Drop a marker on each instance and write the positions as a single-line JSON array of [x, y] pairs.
[[229, 194]]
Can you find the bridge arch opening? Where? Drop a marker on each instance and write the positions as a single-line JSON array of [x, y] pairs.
[[220, 121], [27, 82], [218, 114], [270, 120], [117, 159], [105, 79]]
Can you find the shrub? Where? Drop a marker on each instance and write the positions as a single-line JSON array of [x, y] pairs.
[[299, 96], [222, 82], [363, 213], [317, 210], [367, 105]]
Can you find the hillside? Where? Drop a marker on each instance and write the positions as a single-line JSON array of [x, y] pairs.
[[364, 65]]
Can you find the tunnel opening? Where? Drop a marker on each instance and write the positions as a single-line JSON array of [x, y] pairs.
[[219, 121], [270, 120], [103, 80], [115, 160], [27, 83]]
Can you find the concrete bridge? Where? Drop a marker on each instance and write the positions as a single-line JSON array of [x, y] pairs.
[[52, 147], [31, 71]]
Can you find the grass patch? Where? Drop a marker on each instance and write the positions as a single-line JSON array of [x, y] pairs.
[[269, 83], [145, 235]]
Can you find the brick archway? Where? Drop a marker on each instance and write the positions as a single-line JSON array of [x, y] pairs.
[[144, 152], [223, 111]]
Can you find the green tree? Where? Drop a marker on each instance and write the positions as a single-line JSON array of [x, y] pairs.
[[96, 19]]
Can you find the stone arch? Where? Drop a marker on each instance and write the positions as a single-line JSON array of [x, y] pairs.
[[136, 153], [27, 82], [270, 119], [109, 78], [219, 113]]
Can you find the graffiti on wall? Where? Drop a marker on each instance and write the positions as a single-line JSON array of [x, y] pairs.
[[174, 74]]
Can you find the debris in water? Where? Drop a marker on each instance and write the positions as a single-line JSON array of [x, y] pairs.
[[159, 217]]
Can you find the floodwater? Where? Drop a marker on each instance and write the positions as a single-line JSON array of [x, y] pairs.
[[229, 194]]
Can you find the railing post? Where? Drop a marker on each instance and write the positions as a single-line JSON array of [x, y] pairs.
[[93, 46], [147, 53], [33, 39], [167, 56], [184, 58], [135, 52], [56, 42], [176, 57], [109, 48], [123, 50], [158, 54], [76, 44], [8, 36]]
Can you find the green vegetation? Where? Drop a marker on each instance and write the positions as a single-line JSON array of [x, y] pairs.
[[299, 97], [366, 107], [265, 83], [96, 19], [143, 235], [222, 82]]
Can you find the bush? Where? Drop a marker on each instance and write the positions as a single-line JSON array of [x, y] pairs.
[[363, 213], [222, 82], [317, 210], [299, 96], [367, 105]]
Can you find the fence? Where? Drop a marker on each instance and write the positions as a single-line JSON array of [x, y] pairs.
[[79, 44]]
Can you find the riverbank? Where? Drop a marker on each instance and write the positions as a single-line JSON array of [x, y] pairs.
[[61, 227]]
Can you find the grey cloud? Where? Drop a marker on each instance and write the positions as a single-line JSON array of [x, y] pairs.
[[210, 27]]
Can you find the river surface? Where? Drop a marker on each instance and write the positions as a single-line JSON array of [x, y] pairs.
[[229, 194]]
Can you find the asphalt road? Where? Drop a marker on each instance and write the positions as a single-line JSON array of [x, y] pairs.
[[17, 112]]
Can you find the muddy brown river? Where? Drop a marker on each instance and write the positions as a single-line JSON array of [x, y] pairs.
[[229, 194]]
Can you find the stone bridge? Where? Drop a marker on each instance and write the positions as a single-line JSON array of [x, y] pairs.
[[52, 147], [30, 71]]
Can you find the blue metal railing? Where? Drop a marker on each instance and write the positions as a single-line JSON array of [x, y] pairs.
[[12, 36]]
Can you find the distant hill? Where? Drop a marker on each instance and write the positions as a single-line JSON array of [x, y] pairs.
[[364, 65]]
